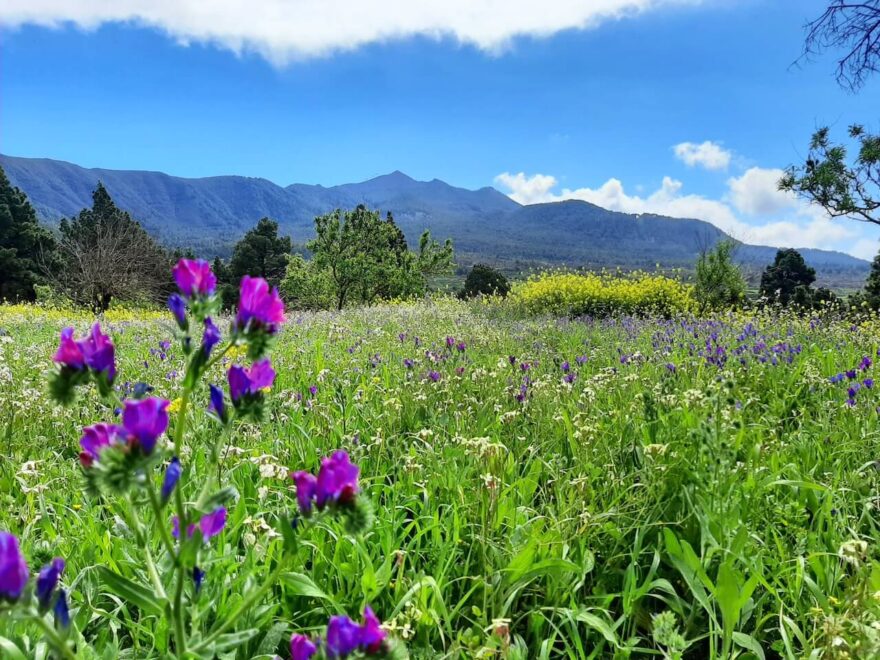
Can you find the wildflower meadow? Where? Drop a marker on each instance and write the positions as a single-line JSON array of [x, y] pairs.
[[436, 479]]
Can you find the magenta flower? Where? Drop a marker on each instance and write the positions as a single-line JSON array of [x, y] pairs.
[[259, 307], [69, 353], [372, 635], [47, 581], [194, 277], [95, 438], [213, 523], [301, 647], [306, 489], [13, 569], [95, 351], [145, 421], [343, 637], [337, 480], [249, 382], [99, 353]]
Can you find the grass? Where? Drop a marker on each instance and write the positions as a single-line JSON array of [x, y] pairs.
[[729, 496]]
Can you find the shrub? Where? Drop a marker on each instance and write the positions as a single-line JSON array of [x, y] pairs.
[[485, 280], [719, 282], [603, 295]]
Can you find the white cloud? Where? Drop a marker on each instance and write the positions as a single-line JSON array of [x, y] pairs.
[[757, 192], [799, 225], [707, 154], [285, 30], [866, 248], [527, 190]]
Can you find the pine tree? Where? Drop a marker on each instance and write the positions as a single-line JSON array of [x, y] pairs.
[[872, 285], [26, 248], [788, 278], [260, 253]]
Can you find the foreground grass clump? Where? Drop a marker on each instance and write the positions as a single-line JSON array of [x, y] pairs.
[[673, 487], [600, 294]]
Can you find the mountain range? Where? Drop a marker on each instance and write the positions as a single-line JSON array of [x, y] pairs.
[[210, 214]]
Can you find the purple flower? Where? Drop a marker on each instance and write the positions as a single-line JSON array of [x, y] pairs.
[[461, 347], [47, 581], [865, 364], [868, 382], [372, 635], [408, 363], [198, 576], [194, 277], [670, 367], [836, 378], [301, 647], [95, 351], [258, 306], [99, 353], [313, 389], [217, 405], [95, 438], [175, 528], [210, 336], [851, 374], [145, 421], [69, 353], [172, 476], [13, 569], [569, 377], [213, 523], [62, 614], [177, 305], [343, 637], [249, 382], [450, 342], [434, 375], [337, 480], [566, 367], [581, 359], [306, 488]]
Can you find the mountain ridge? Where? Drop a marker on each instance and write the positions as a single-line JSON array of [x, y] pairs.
[[210, 213]]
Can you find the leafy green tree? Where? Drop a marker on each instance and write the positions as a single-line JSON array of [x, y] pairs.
[[828, 179], [367, 259], [719, 281], [305, 286], [871, 292], [26, 248], [107, 255], [788, 279], [484, 280], [261, 252]]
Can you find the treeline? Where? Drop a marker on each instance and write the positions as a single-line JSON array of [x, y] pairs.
[[103, 255]]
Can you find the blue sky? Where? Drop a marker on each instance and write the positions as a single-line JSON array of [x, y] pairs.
[[332, 91]]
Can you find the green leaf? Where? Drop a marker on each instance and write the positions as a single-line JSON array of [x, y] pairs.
[[136, 594], [9, 650], [302, 585], [749, 643]]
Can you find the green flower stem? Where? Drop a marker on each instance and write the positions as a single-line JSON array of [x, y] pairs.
[[244, 606], [177, 609], [57, 643], [148, 556], [165, 535]]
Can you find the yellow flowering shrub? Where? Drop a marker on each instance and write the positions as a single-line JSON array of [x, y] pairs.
[[601, 294]]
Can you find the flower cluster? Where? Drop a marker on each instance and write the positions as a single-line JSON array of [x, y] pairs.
[[335, 488], [92, 357], [343, 638], [14, 578]]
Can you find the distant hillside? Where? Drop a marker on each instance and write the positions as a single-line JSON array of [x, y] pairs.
[[210, 214]]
